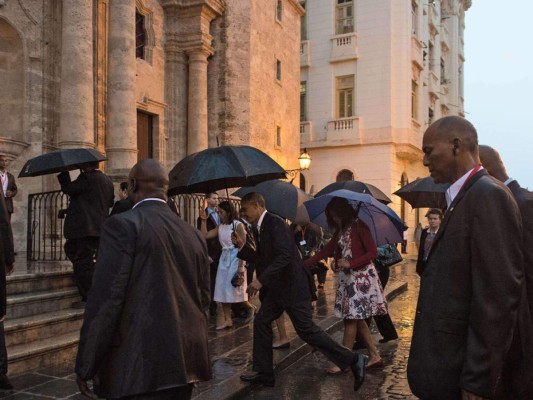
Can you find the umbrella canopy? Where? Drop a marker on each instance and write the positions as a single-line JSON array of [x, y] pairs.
[[59, 161], [222, 167], [424, 192], [383, 222], [281, 198], [358, 187]]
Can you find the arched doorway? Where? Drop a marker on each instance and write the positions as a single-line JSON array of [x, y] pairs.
[[302, 182], [344, 175]]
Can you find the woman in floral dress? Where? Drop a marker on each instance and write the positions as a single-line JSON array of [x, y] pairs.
[[359, 292]]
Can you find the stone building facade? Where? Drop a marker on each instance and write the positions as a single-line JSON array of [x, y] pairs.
[[374, 75], [145, 79]]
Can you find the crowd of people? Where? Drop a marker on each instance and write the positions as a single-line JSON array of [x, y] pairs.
[[156, 279]]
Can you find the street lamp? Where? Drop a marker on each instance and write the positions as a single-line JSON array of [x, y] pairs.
[[305, 162]]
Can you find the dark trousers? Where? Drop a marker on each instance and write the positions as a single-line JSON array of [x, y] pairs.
[[177, 393], [321, 271], [250, 268], [383, 322], [82, 254], [213, 267], [3, 351], [301, 318]]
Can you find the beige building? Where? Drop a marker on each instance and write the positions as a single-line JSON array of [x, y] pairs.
[[145, 79], [374, 75]]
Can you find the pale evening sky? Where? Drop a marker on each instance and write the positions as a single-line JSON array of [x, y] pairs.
[[499, 81]]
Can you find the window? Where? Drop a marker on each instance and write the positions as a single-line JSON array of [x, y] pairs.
[[302, 182], [414, 100], [414, 12], [431, 114], [303, 101], [278, 136], [344, 175], [303, 23], [344, 17], [279, 10], [278, 70], [140, 36], [443, 79], [431, 54], [345, 96]]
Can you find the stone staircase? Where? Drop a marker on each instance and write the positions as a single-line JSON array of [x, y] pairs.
[[41, 328]]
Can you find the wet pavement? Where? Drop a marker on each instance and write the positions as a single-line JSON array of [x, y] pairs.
[[306, 378], [300, 373]]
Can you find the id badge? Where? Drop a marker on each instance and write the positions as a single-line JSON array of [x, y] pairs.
[[303, 243]]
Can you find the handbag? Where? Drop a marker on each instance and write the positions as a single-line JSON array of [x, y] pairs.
[[388, 255], [238, 279]]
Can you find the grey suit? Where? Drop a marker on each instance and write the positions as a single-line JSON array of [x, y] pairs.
[[145, 324], [469, 295]]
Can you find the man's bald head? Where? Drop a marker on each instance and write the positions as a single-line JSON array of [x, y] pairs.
[[147, 178], [492, 162], [450, 148]]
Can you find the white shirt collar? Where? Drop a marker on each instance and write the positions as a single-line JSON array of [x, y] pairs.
[[508, 181], [452, 191], [433, 233], [150, 199], [261, 221]]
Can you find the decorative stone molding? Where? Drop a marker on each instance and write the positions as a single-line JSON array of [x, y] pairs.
[[2, 3], [409, 153], [149, 27], [25, 9]]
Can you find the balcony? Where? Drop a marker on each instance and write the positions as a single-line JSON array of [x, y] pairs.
[[305, 131], [433, 84], [343, 47], [416, 52], [344, 131], [305, 53]]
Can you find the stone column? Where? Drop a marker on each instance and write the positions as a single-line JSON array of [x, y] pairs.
[[121, 136], [197, 113], [76, 121]]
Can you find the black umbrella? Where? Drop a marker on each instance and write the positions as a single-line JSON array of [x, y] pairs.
[[358, 187], [282, 198], [424, 192], [221, 168], [59, 161]]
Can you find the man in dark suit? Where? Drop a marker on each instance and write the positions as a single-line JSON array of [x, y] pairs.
[[91, 196], [427, 236], [519, 375], [283, 286], [470, 288], [144, 334], [9, 187], [7, 259], [123, 203], [213, 245]]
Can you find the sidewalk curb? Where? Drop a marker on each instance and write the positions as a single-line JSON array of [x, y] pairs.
[[234, 388]]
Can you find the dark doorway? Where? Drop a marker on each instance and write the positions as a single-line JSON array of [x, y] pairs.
[[145, 142]]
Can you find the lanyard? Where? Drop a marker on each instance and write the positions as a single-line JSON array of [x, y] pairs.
[[471, 174]]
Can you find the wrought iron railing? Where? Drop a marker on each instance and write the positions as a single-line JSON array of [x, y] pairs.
[[45, 229]]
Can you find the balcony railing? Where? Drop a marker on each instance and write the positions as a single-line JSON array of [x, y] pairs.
[[345, 130], [45, 239], [343, 47], [305, 53]]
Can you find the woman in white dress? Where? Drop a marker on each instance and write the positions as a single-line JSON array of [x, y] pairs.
[[228, 265]]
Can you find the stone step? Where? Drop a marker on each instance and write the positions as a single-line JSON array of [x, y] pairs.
[[43, 326], [28, 304], [39, 282], [42, 353]]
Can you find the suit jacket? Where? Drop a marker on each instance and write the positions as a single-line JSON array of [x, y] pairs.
[[12, 186], [91, 196], [279, 266], [120, 206], [469, 295], [213, 245], [6, 250], [420, 263], [145, 323]]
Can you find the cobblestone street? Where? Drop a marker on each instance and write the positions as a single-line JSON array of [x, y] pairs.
[[305, 379]]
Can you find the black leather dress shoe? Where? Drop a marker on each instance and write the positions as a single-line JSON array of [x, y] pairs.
[[358, 369], [258, 377], [4, 382]]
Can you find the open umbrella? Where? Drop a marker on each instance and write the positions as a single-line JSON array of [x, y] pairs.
[[383, 222], [424, 192], [358, 187], [221, 168], [59, 161], [282, 198]]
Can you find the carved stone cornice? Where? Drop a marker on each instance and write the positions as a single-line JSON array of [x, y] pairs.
[[216, 7]]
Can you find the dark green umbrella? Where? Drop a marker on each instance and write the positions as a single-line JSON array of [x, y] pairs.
[[221, 168], [59, 161]]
